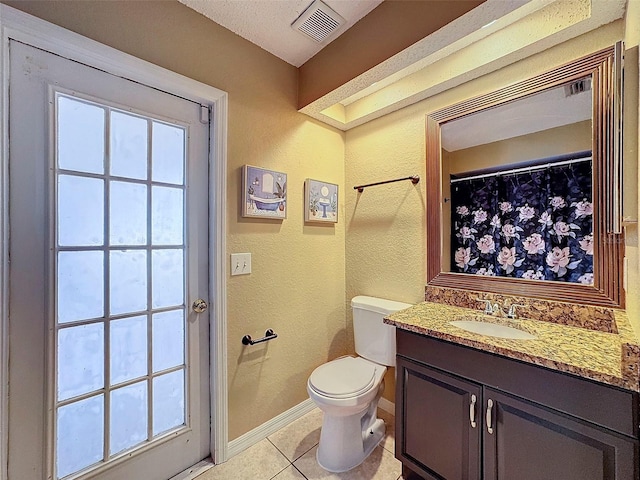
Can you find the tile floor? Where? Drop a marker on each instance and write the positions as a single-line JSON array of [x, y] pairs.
[[290, 454]]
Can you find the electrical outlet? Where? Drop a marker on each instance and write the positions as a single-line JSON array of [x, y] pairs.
[[240, 263]]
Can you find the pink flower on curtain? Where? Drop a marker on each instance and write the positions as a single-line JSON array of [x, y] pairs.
[[526, 212], [466, 233], [505, 207], [545, 219], [508, 260], [558, 259], [510, 231], [463, 257], [479, 216], [486, 245], [534, 244], [586, 279], [586, 244], [583, 208], [486, 272], [558, 202], [463, 211], [564, 229], [531, 275]]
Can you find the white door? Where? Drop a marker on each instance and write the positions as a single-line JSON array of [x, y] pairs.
[[108, 216]]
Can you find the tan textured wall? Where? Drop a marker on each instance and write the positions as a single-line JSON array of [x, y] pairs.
[[385, 224], [297, 284], [554, 141], [386, 237]]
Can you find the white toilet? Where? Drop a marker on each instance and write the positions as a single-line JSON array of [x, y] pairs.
[[347, 389]]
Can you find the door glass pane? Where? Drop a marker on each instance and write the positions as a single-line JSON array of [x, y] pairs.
[[128, 349], [168, 340], [128, 146], [80, 136], [167, 214], [127, 214], [168, 401], [80, 211], [128, 417], [80, 285], [143, 266], [128, 281], [167, 154], [80, 360], [167, 278], [80, 437]]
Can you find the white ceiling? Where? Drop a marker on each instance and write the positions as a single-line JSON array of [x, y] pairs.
[[267, 23]]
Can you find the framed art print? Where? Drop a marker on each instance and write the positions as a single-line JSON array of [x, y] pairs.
[[320, 201], [264, 193]]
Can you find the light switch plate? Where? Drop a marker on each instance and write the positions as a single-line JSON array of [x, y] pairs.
[[240, 263]]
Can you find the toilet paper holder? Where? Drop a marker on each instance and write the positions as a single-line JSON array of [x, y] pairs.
[[268, 335]]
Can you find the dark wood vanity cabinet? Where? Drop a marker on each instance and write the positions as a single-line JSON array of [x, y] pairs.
[[462, 414], [436, 402], [532, 442]]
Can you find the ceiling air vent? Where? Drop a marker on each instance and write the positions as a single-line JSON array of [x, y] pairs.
[[318, 21], [579, 86]]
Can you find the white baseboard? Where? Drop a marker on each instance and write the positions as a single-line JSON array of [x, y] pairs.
[[263, 431], [387, 406]]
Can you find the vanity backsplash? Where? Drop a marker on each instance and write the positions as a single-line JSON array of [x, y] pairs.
[[600, 319]]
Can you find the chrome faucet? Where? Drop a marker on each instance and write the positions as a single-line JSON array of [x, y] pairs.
[[489, 309], [496, 309], [512, 310]]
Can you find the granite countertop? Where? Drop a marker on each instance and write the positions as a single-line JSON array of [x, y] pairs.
[[610, 358]]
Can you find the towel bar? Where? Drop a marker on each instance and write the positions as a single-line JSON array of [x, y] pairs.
[[414, 179]]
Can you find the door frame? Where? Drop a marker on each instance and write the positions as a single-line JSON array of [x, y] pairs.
[[19, 26]]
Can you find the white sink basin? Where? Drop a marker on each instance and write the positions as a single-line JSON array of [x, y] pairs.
[[492, 329]]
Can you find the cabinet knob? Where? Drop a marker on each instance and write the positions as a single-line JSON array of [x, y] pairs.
[[489, 409]]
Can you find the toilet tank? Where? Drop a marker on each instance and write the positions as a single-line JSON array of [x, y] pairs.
[[375, 340]]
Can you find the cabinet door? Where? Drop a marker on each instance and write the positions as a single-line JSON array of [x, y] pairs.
[[529, 442], [438, 420]]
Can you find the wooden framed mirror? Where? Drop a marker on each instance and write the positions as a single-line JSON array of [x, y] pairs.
[[508, 140]]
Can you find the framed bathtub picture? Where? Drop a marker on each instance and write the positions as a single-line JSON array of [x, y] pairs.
[[320, 201], [264, 193]]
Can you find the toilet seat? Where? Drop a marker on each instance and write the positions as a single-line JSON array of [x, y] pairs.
[[343, 378]]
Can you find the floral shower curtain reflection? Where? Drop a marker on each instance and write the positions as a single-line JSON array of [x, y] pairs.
[[535, 224]]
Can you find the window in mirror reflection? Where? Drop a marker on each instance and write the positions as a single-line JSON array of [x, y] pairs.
[[520, 188]]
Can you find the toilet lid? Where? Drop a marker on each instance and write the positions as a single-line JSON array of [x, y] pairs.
[[344, 377]]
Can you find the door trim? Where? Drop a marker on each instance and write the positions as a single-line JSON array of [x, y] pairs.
[[19, 26]]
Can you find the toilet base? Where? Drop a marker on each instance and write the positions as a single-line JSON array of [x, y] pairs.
[[337, 457]]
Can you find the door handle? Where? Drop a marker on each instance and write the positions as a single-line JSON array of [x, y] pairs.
[[489, 409], [199, 306], [472, 411]]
